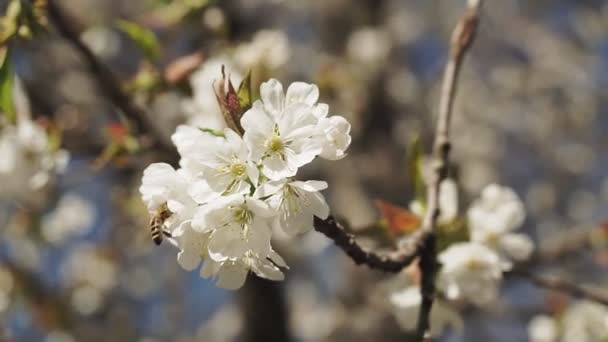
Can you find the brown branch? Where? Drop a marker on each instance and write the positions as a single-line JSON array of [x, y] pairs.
[[561, 285], [108, 83], [461, 40], [391, 262]]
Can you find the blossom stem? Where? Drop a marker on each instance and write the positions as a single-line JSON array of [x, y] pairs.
[[461, 40]]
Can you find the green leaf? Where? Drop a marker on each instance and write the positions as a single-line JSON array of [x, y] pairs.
[[144, 38], [6, 88], [9, 23], [414, 165], [244, 93], [212, 131]]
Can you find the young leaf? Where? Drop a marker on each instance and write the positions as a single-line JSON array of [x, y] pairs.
[[9, 23], [144, 38], [244, 93], [399, 221], [6, 88]]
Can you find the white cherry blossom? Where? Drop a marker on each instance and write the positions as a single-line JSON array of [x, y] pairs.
[[162, 184], [334, 133], [238, 225], [284, 143], [227, 168], [499, 208], [493, 218], [297, 203], [471, 271]]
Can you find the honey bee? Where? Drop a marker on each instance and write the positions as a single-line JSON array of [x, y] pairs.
[[157, 222]]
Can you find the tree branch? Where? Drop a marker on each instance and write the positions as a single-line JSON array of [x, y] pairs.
[[561, 285], [461, 40], [108, 83], [391, 262]]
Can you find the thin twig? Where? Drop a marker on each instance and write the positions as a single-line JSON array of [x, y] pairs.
[[107, 82], [462, 38], [562, 285], [390, 262]]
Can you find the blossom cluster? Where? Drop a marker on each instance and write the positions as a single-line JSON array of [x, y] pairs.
[[231, 192], [582, 321], [28, 159], [472, 270]]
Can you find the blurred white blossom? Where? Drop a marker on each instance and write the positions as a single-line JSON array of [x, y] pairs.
[[585, 321], [268, 48], [72, 216], [493, 218], [470, 271], [543, 329], [88, 266], [369, 46], [28, 159], [582, 321]]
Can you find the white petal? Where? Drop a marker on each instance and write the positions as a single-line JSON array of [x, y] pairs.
[[296, 116], [318, 206], [200, 192], [297, 223], [253, 173], [337, 137], [199, 220], [517, 246], [209, 268], [227, 243], [267, 270], [300, 92], [277, 168], [256, 120], [269, 188], [231, 276], [259, 238], [191, 140], [259, 207], [277, 259], [271, 93], [304, 151], [320, 111], [188, 260], [156, 180], [310, 186]]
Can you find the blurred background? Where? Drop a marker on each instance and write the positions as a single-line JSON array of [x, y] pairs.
[[77, 263]]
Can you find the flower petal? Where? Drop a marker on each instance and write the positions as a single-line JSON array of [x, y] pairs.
[[271, 93], [300, 92], [231, 276]]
